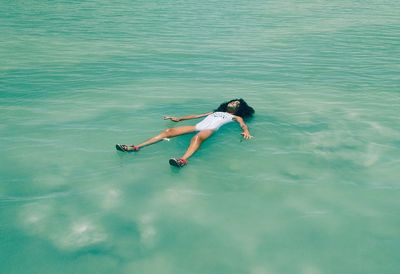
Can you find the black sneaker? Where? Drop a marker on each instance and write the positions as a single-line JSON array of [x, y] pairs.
[[178, 162]]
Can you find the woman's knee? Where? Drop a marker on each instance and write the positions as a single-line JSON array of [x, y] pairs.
[[201, 136], [168, 132], [175, 131]]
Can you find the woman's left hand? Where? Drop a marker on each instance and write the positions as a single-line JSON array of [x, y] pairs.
[[246, 135]]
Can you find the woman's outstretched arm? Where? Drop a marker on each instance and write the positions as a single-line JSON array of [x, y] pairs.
[[188, 117], [246, 133]]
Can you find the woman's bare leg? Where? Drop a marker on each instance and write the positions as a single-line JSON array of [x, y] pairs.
[[195, 143], [168, 133]]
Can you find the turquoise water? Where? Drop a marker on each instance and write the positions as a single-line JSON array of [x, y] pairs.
[[316, 191]]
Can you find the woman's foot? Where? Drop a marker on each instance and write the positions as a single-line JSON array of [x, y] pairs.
[[178, 162], [126, 148]]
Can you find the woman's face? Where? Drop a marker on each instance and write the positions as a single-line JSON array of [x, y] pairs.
[[234, 105]]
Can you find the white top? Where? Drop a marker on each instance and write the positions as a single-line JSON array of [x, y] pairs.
[[214, 121]]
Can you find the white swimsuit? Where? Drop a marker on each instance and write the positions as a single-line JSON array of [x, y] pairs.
[[214, 121]]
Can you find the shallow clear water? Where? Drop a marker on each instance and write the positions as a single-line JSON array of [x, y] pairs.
[[316, 190]]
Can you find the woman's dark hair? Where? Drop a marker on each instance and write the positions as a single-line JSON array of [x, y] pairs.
[[243, 111]]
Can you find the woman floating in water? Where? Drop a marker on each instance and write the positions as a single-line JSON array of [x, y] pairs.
[[234, 110]]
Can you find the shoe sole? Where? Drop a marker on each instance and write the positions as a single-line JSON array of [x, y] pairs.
[[118, 147], [174, 162]]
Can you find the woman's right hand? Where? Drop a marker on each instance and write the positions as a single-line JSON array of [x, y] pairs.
[[172, 118]]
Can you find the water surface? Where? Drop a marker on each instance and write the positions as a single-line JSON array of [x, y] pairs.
[[315, 191]]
